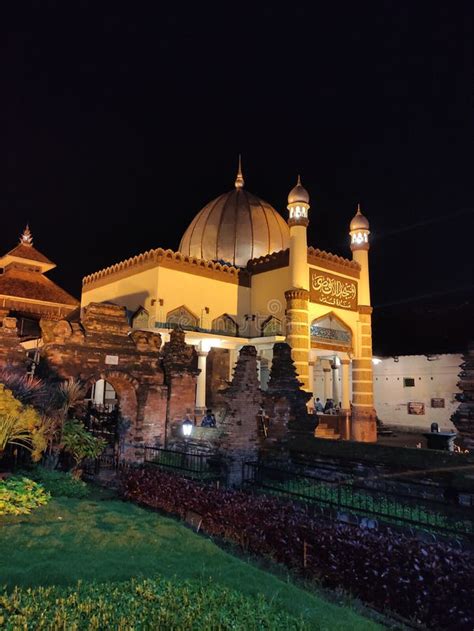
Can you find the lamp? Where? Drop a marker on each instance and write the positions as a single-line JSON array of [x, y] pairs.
[[187, 426]]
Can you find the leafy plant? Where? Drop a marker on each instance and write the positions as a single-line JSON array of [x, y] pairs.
[[58, 483], [80, 443], [18, 496], [141, 604], [430, 584], [20, 425]]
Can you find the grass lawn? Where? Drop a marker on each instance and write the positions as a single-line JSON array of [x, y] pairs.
[[108, 540]]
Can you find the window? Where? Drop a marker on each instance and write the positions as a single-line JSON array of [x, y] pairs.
[[408, 382]]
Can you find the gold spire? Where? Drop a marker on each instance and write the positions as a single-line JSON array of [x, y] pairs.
[[358, 209], [299, 180], [239, 180], [26, 238]]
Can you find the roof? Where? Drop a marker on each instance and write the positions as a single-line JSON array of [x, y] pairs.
[[34, 286], [235, 227], [29, 252]]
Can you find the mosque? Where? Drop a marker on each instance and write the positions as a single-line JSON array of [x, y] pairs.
[[244, 275]]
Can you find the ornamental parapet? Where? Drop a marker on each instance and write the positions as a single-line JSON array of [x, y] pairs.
[[175, 260], [324, 259], [297, 294]]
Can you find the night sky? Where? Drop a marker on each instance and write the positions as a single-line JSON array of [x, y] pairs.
[[118, 125]]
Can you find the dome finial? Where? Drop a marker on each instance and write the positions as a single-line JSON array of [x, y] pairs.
[[358, 209], [239, 180], [26, 238]]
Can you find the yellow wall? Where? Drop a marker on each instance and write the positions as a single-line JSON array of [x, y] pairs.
[[268, 295], [131, 292]]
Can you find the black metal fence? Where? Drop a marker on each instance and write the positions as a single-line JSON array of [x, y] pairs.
[[189, 464], [347, 498]]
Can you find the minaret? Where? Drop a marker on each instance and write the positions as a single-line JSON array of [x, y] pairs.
[[364, 426], [297, 296]]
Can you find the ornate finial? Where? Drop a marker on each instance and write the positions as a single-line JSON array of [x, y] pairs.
[[358, 210], [239, 180], [26, 238], [299, 180]]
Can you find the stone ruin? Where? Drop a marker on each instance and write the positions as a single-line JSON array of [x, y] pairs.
[[463, 418], [155, 386]]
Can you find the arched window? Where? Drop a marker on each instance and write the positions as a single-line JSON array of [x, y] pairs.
[[271, 327], [226, 325], [140, 319], [330, 331], [182, 317]]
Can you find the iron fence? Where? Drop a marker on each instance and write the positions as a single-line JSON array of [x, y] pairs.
[[189, 464], [353, 497]]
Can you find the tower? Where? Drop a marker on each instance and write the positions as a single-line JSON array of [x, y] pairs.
[[297, 296], [364, 426]]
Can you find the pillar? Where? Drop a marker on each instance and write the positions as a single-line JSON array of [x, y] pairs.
[[335, 382], [311, 383], [364, 426], [201, 382], [345, 398], [327, 383], [297, 332]]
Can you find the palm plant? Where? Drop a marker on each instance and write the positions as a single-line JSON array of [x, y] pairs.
[[14, 430]]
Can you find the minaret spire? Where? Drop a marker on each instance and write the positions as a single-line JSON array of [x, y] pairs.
[[26, 238], [239, 180]]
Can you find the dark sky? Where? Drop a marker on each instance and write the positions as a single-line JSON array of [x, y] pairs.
[[117, 125]]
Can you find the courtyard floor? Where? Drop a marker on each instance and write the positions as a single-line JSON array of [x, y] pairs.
[[107, 540]]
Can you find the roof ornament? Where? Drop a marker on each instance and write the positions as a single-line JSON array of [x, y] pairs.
[[26, 238], [239, 180]]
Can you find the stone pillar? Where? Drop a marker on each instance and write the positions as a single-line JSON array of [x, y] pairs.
[[311, 384], [297, 332], [335, 382], [364, 418], [345, 398], [201, 382], [327, 383], [233, 355]]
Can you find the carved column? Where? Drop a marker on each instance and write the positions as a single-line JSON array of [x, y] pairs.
[[297, 332], [201, 382]]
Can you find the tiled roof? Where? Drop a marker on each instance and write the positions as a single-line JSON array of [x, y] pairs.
[[29, 252], [33, 285]]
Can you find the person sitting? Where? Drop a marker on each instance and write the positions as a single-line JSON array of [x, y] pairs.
[[329, 406], [319, 406], [209, 420]]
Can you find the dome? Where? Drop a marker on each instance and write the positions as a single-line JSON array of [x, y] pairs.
[[298, 194], [359, 221], [235, 227]]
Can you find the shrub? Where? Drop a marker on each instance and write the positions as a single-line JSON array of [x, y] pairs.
[[59, 483], [18, 496], [80, 443], [20, 425], [140, 604], [428, 583]]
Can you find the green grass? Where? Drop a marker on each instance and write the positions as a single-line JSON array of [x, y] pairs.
[[109, 540]]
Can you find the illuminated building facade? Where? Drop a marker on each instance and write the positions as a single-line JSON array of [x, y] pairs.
[[243, 275]]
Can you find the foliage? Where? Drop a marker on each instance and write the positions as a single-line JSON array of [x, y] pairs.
[[58, 483], [20, 425], [104, 539], [428, 583], [140, 604], [26, 389], [18, 496], [80, 443]]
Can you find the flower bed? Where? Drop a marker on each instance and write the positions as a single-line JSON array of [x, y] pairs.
[[143, 604], [428, 583], [19, 496]]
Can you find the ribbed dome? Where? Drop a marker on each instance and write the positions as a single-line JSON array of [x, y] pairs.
[[235, 227]]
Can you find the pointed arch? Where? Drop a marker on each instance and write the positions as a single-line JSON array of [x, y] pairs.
[[225, 324], [331, 332], [182, 317]]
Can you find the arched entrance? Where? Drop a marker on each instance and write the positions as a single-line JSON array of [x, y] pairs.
[[102, 412]]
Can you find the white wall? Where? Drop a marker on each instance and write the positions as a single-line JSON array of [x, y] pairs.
[[433, 379]]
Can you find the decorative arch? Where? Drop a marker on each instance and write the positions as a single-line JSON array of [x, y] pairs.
[[225, 324], [140, 319], [331, 332], [182, 317], [271, 326]]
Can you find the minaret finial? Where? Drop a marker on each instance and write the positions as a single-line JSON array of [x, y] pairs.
[[358, 209], [239, 180], [26, 238], [299, 179]]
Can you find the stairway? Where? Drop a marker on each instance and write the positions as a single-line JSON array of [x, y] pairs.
[[323, 431]]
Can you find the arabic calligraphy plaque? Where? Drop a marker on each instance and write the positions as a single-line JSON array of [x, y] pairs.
[[332, 290]]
